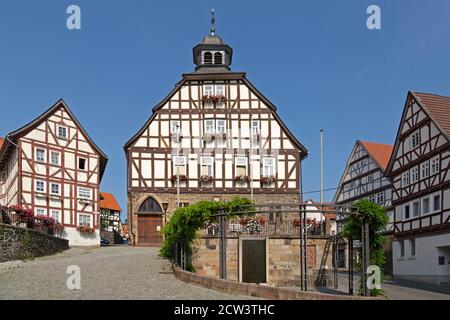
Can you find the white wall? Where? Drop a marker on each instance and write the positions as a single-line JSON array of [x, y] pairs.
[[424, 266]]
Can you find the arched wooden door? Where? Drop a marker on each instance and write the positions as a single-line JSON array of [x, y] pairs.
[[150, 223]]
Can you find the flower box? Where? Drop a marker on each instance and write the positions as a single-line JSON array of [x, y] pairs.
[[242, 179], [206, 179], [85, 229], [182, 178], [268, 180], [214, 99], [220, 136]]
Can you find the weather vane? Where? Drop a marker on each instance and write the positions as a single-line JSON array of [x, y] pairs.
[[213, 22]]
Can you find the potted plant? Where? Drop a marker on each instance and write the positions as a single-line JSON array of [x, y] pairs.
[[268, 180], [85, 229], [206, 179], [253, 224], [242, 179], [220, 136], [181, 176]]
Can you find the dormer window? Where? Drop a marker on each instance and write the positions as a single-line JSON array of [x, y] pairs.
[[207, 58], [218, 58]]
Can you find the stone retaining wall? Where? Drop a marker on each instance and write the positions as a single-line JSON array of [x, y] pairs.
[[17, 243], [260, 291]]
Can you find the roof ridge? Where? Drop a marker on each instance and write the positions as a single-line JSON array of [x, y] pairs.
[[432, 94]]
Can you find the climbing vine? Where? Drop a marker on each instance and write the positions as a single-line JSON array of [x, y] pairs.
[[377, 218], [185, 222]]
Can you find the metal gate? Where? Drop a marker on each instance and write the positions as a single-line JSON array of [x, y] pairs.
[[254, 260]]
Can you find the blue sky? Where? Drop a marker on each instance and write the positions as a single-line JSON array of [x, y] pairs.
[[315, 60]]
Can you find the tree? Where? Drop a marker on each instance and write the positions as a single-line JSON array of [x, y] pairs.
[[376, 216]]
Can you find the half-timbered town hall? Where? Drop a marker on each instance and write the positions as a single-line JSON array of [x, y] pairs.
[[419, 170], [213, 137], [52, 167]]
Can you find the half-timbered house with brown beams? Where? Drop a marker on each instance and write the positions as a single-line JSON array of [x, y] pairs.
[[218, 136], [364, 178], [54, 168], [419, 170]]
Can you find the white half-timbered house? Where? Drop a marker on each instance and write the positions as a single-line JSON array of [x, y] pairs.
[[419, 170], [219, 135], [363, 178], [53, 167]]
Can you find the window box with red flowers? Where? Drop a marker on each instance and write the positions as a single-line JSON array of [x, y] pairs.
[[182, 177], [205, 179], [253, 224], [268, 180], [241, 179], [85, 229], [214, 99]]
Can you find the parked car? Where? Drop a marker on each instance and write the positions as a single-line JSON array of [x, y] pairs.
[[104, 242]]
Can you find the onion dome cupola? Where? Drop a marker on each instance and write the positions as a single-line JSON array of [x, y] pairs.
[[212, 54]]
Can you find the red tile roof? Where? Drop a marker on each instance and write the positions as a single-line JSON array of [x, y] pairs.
[[1, 142], [381, 153], [438, 107], [107, 201]]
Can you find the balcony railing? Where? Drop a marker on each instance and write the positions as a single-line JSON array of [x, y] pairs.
[[265, 228]]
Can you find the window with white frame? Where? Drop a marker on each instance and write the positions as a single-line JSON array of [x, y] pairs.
[[84, 193], [268, 167], [255, 127], [40, 155], [435, 165], [220, 126], [220, 90], [416, 209], [380, 198], [40, 211], [372, 198], [207, 166], [415, 140], [179, 165], [40, 186], [56, 215], [84, 220], [208, 90], [425, 169], [414, 175], [209, 126], [54, 188], [54, 158], [437, 202], [405, 179], [406, 212], [63, 132], [425, 205], [241, 166]]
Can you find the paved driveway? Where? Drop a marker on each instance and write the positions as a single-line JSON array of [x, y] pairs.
[[398, 290], [106, 273]]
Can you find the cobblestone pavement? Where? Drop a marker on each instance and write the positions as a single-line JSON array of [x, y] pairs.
[[106, 273], [397, 290]]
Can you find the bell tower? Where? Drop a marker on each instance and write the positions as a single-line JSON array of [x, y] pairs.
[[212, 55]]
